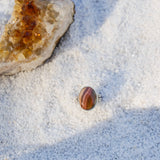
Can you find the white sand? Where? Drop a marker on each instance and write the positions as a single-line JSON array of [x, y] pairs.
[[113, 46]]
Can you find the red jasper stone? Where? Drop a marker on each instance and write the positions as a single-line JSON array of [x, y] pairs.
[[87, 98]]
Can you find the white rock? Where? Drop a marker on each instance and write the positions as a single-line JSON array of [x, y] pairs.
[[32, 33]]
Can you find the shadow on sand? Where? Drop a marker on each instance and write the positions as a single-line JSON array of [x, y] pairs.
[[132, 134], [90, 15]]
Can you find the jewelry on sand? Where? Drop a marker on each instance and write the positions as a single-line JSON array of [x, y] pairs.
[[87, 98]]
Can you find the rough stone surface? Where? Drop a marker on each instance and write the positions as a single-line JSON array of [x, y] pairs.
[[32, 33]]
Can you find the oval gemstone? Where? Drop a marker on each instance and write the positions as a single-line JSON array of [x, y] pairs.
[[87, 98]]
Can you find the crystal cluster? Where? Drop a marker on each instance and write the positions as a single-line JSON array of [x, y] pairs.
[[32, 33], [25, 33]]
